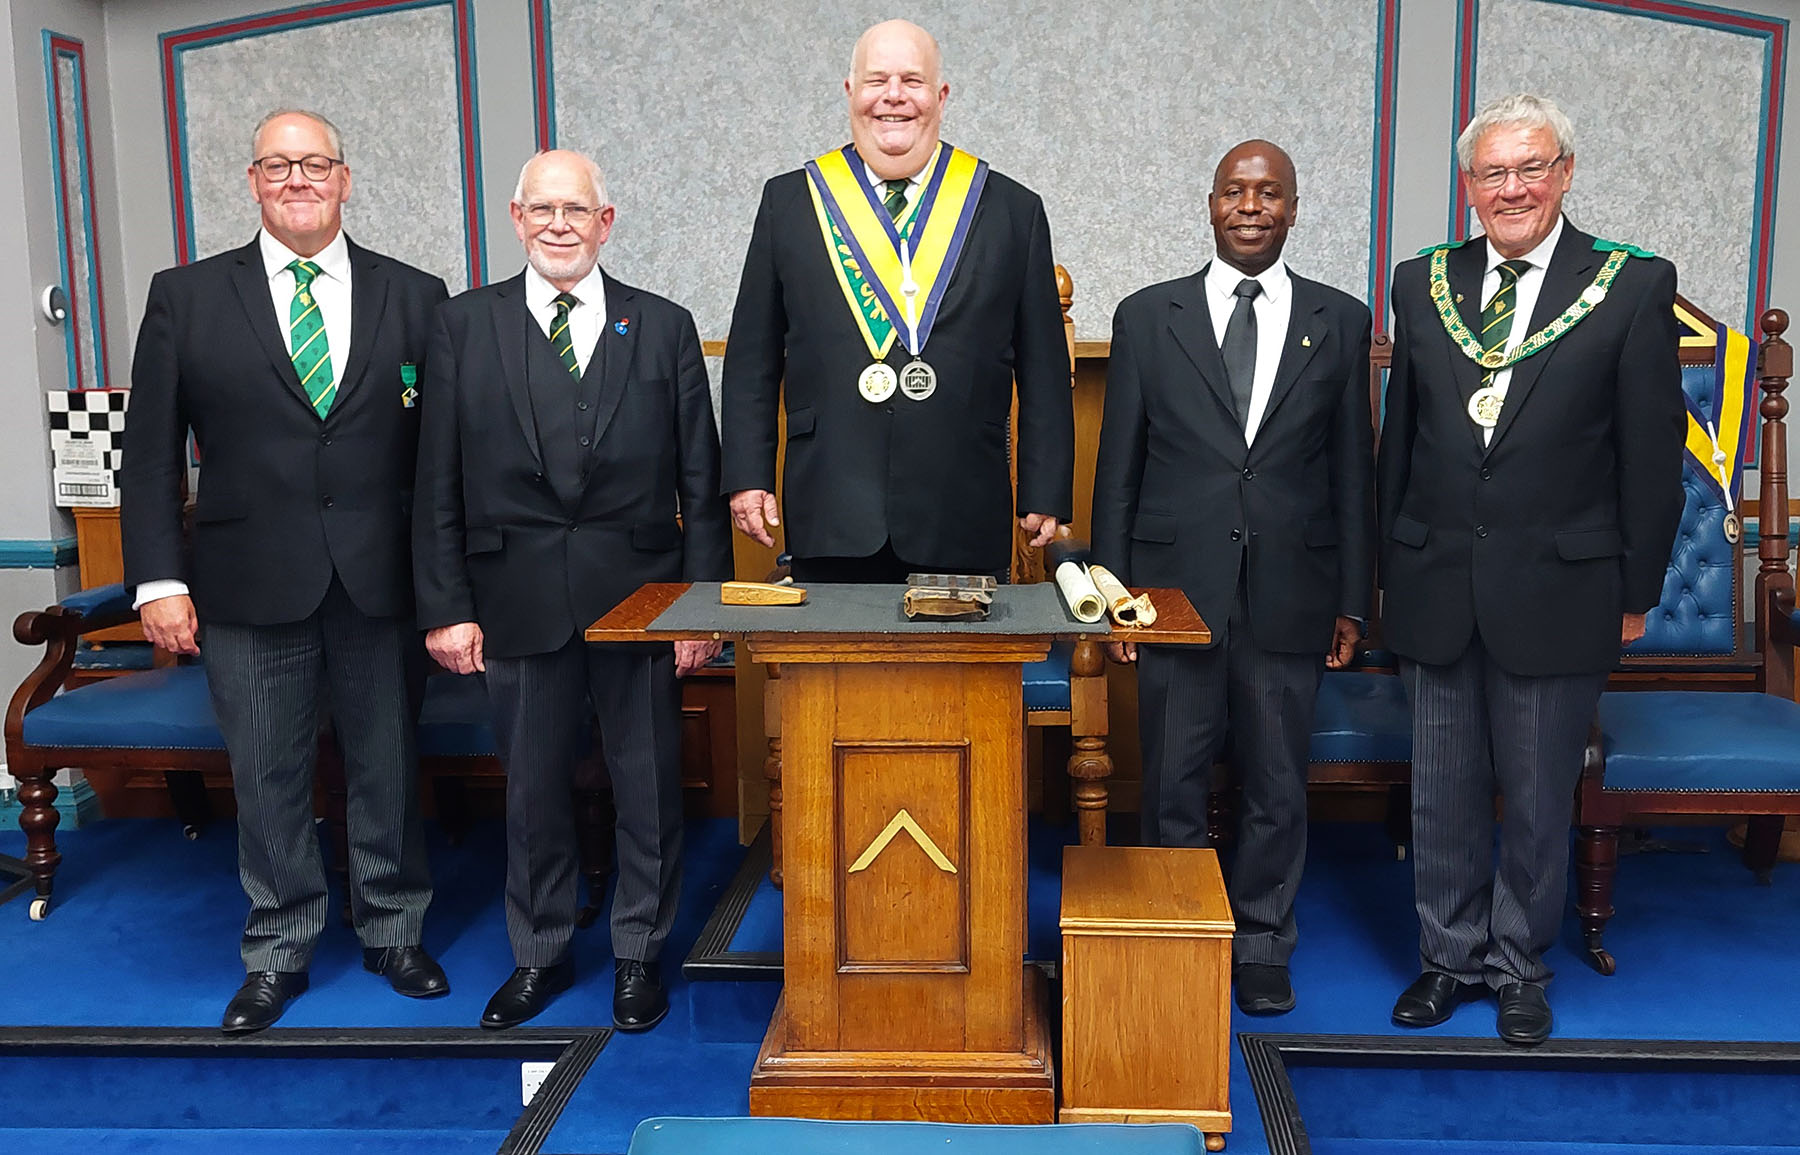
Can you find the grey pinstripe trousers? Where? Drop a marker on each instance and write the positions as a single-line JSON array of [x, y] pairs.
[[542, 705], [1189, 701], [1478, 729], [269, 686]]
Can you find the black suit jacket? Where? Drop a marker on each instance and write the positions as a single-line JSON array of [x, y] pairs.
[[285, 497], [1544, 539], [493, 542], [1180, 500], [930, 476]]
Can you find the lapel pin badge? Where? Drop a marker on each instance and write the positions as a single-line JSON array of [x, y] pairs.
[[1459, 298], [621, 325], [409, 379], [1306, 342]]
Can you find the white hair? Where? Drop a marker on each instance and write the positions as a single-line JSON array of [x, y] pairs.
[[1521, 108], [331, 131], [594, 174]]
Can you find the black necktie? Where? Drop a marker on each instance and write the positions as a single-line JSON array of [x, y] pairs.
[[1239, 348]]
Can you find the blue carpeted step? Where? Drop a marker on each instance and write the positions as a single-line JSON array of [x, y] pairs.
[[239, 1140]]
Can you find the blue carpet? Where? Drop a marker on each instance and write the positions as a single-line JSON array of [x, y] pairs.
[[146, 925]]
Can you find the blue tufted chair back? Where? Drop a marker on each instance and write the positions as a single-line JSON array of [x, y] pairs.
[[1698, 611]]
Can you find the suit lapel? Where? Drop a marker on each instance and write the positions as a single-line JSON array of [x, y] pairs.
[[368, 298], [1571, 270], [1467, 267], [513, 327], [252, 285], [1305, 333], [1190, 321], [617, 344]]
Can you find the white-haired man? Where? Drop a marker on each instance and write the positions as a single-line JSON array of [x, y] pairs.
[[569, 455], [1529, 486]]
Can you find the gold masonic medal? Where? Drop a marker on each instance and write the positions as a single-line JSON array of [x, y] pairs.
[[877, 383], [1485, 405], [1734, 528], [918, 380]]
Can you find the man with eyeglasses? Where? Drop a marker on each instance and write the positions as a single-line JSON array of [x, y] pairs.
[[569, 455], [1529, 488], [294, 361]]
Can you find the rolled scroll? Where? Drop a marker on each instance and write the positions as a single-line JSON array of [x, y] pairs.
[[1125, 609], [1079, 593]]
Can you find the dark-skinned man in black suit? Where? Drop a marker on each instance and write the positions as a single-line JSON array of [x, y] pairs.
[[569, 455], [1529, 491], [1236, 463], [897, 420], [294, 361]]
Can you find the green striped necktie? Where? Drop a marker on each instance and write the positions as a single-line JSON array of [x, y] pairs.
[[306, 338], [561, 337], [1497, 318], [895, 204]]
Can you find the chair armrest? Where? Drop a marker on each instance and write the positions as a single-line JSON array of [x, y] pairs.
[[1783, 617], [58, 629], [101, 601]]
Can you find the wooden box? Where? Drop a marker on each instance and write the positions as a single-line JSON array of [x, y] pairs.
[[1146, 988]]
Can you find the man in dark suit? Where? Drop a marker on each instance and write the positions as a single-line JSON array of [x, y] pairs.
[[1236, 463], [293, 360], [1529, 490], [569, 455], [897, 415]]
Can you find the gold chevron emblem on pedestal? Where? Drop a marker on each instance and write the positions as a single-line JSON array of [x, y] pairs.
[[902, 821]]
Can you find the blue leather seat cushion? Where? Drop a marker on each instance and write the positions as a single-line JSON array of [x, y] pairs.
[[456, 720], [815, 1137], [107, 599], [1361, 718], [1677, 740], [115, 656], [166, 709], [1047, 682]]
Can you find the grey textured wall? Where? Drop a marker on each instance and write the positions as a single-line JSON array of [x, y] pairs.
[[1115, 114], [1683, 185], [388, 81]]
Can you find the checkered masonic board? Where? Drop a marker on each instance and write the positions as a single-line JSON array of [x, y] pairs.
[[87, 438]]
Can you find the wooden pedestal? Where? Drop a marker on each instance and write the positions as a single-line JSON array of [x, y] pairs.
[[1146, 977], [904, 899]]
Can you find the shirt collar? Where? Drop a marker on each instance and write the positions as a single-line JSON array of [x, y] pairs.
[[1222, 279], [333, 260], [540, 293], [1538, 258], [914, 180]]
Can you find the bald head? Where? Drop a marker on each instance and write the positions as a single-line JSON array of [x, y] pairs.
[[898, 36], [1252, 205]]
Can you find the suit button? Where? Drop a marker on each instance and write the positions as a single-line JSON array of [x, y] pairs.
[[581, 404], [1487, 474], [325, 501], [1481, 531], [1249, 475], [537, 477], [573, 528], [1237, 535], [585, 442], [324, 439]]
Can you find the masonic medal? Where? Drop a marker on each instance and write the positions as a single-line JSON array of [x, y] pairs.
[[876, 383], [1734, 528], [918, 380], [1485, 405]]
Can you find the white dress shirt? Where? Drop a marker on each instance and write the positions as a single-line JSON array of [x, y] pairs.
[[1272, 308], [1524, 300], [331, 289], [586, 320]]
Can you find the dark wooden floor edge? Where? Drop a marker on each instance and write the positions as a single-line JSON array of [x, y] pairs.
[[526, 1042], [15, 869], [1267, 1058], [712, 959], [535, 1123]]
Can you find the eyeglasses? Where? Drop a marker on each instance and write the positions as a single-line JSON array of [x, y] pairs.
[[314, 167], [1531, 172], [577, 216]]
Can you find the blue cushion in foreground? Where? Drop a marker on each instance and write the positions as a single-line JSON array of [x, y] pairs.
[[1361, 718], [1047, 682], [166, 709], [1700, 740], [815, 1137]]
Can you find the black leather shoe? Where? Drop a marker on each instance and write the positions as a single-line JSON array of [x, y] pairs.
[[260, 1001], [1433, 998], [527, 992], [639, 1001], [408, 969], [1263, 989], [1524, 1014]]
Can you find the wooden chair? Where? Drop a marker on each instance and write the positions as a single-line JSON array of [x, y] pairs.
[[1702, 749]]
